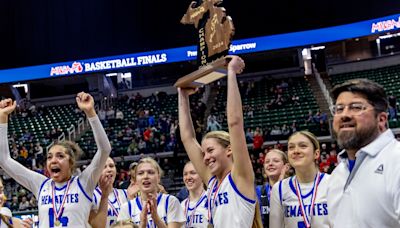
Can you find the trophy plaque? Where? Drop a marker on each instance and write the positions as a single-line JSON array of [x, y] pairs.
[[215, 32]]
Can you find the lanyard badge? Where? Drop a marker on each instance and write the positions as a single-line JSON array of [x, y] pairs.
[[307, 216], [58, 213]]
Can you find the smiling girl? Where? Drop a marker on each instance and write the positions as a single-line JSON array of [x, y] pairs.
[[300, 201], [222, 159], [64, 200], [152, 208], [195, 206], [275, 167]]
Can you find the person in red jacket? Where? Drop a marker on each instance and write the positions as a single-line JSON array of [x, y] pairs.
[[257, 142]]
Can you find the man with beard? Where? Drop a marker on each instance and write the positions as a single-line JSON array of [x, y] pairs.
[[364, 189]]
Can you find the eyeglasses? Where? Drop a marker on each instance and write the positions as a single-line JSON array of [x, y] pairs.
[[353, 108]]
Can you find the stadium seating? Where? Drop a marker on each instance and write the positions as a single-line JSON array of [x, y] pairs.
[[284, 114], [53, 117], [388, 77]]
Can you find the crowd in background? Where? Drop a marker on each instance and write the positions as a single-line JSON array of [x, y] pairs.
[[147, 133]]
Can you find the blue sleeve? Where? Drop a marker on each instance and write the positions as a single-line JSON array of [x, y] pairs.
[[258, 192]]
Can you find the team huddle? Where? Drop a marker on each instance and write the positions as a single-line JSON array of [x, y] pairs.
[[362, 191]]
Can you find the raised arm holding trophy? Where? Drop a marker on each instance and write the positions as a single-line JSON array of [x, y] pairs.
[[221, 158], [215, 32]]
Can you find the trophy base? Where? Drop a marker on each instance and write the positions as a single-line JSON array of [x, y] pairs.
[[204, 75]]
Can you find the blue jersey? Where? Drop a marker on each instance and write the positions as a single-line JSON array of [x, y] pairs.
[[263, 193]]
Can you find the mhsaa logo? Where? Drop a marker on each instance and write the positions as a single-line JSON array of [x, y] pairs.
[[385, 25], [65, 70]]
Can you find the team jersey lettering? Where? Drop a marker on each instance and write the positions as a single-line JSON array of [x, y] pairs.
[[71, 198], [222, 198], [195, 219], [320, 209]]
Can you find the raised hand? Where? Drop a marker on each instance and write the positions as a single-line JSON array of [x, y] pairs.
[[143, 215], [105, 184], [152, 204], [132, 190], [236, 64], [86, 103], [187, 91], [27, 223], [7, 106]]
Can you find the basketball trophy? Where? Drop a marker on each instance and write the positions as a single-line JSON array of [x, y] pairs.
[[215, 32]]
